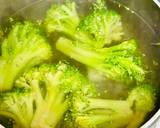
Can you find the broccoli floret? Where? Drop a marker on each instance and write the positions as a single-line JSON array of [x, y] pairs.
[[24, 47], [128, 113], [142, 100], [87, 39], [18, 105], [62, 18], [102, 25], [60, 86], [120, 62], [45, 107], [31, 108], [71, 80]]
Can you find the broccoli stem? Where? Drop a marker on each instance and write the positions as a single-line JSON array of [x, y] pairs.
[[84, 56], [89, 57], [109, 113], [90, 121], [6, 75], [117, 62], [50, 109], [116, 105], [9, 70]]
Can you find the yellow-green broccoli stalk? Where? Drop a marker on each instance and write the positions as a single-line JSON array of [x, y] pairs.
[[105, 113], [120, 62], [128, 113]]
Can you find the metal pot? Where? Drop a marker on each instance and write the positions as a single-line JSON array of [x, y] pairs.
[[142, 15]]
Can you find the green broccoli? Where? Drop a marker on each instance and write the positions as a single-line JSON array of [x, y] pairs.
[[128, 113], [46, 105], [120, 62], [88, 38], [56, 92], [62, 18], [108, 113], [50, 107], [56, 88], [18, 105], [38, 95], [29, 106], [142, 100], [101, 25], [24, 47]]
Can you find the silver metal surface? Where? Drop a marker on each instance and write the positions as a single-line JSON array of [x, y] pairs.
[[157, 2], [154, 122]]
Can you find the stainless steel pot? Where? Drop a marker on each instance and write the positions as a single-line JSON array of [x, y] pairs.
[[143, 15]]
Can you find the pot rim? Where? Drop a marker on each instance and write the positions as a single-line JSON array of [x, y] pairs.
[[157, 2], [153, 121]]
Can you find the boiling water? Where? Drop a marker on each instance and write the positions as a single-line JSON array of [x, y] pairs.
[[135, 25]]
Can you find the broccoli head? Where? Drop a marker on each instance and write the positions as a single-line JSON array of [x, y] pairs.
[[62, 18], [102, 25], [87, 38], [109, 113], [142, 100], [120, 62], [29, 106], [57, 88], [24, 47], [43, 105], [18, 105]]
